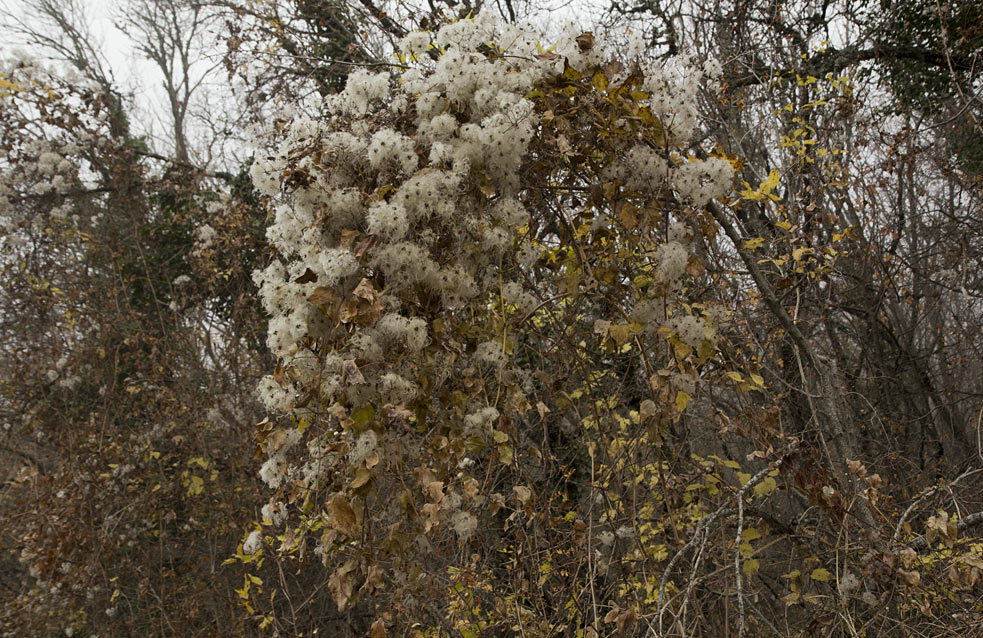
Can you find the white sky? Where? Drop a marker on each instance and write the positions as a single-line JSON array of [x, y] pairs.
[[131, 72], [138, 78]]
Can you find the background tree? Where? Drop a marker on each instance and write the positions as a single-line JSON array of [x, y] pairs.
[[125, 385], [857, 233]]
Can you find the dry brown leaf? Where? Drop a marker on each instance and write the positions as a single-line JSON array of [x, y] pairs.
[[341, 516], [341, 584], [522, 494], [373, 580]]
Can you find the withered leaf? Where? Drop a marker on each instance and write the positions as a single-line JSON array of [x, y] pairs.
[[378, 629], [341, 583], [350, 373], [306, 278], [341, 516], [373, 580]]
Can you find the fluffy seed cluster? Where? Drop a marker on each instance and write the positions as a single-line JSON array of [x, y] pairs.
[[691, 330], [253, 543], [400, 205], [480, 423], [671, 258]]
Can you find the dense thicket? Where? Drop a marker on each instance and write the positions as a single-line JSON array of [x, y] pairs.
[[666, 326]]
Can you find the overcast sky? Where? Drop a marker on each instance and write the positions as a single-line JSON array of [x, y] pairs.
[[138, 78]]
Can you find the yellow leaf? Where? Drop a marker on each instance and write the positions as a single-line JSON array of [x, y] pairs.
[[750, 567], [600, 81], [750, 534], [770, 182], [735, 376], [798, 253], [505, 454], [765, 487], [747, 193], [195, 486], [682, 400], [820, 574], [757, 242]]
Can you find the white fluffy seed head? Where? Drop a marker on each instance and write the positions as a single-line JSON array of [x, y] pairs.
[[671, 259], [387, 220]]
